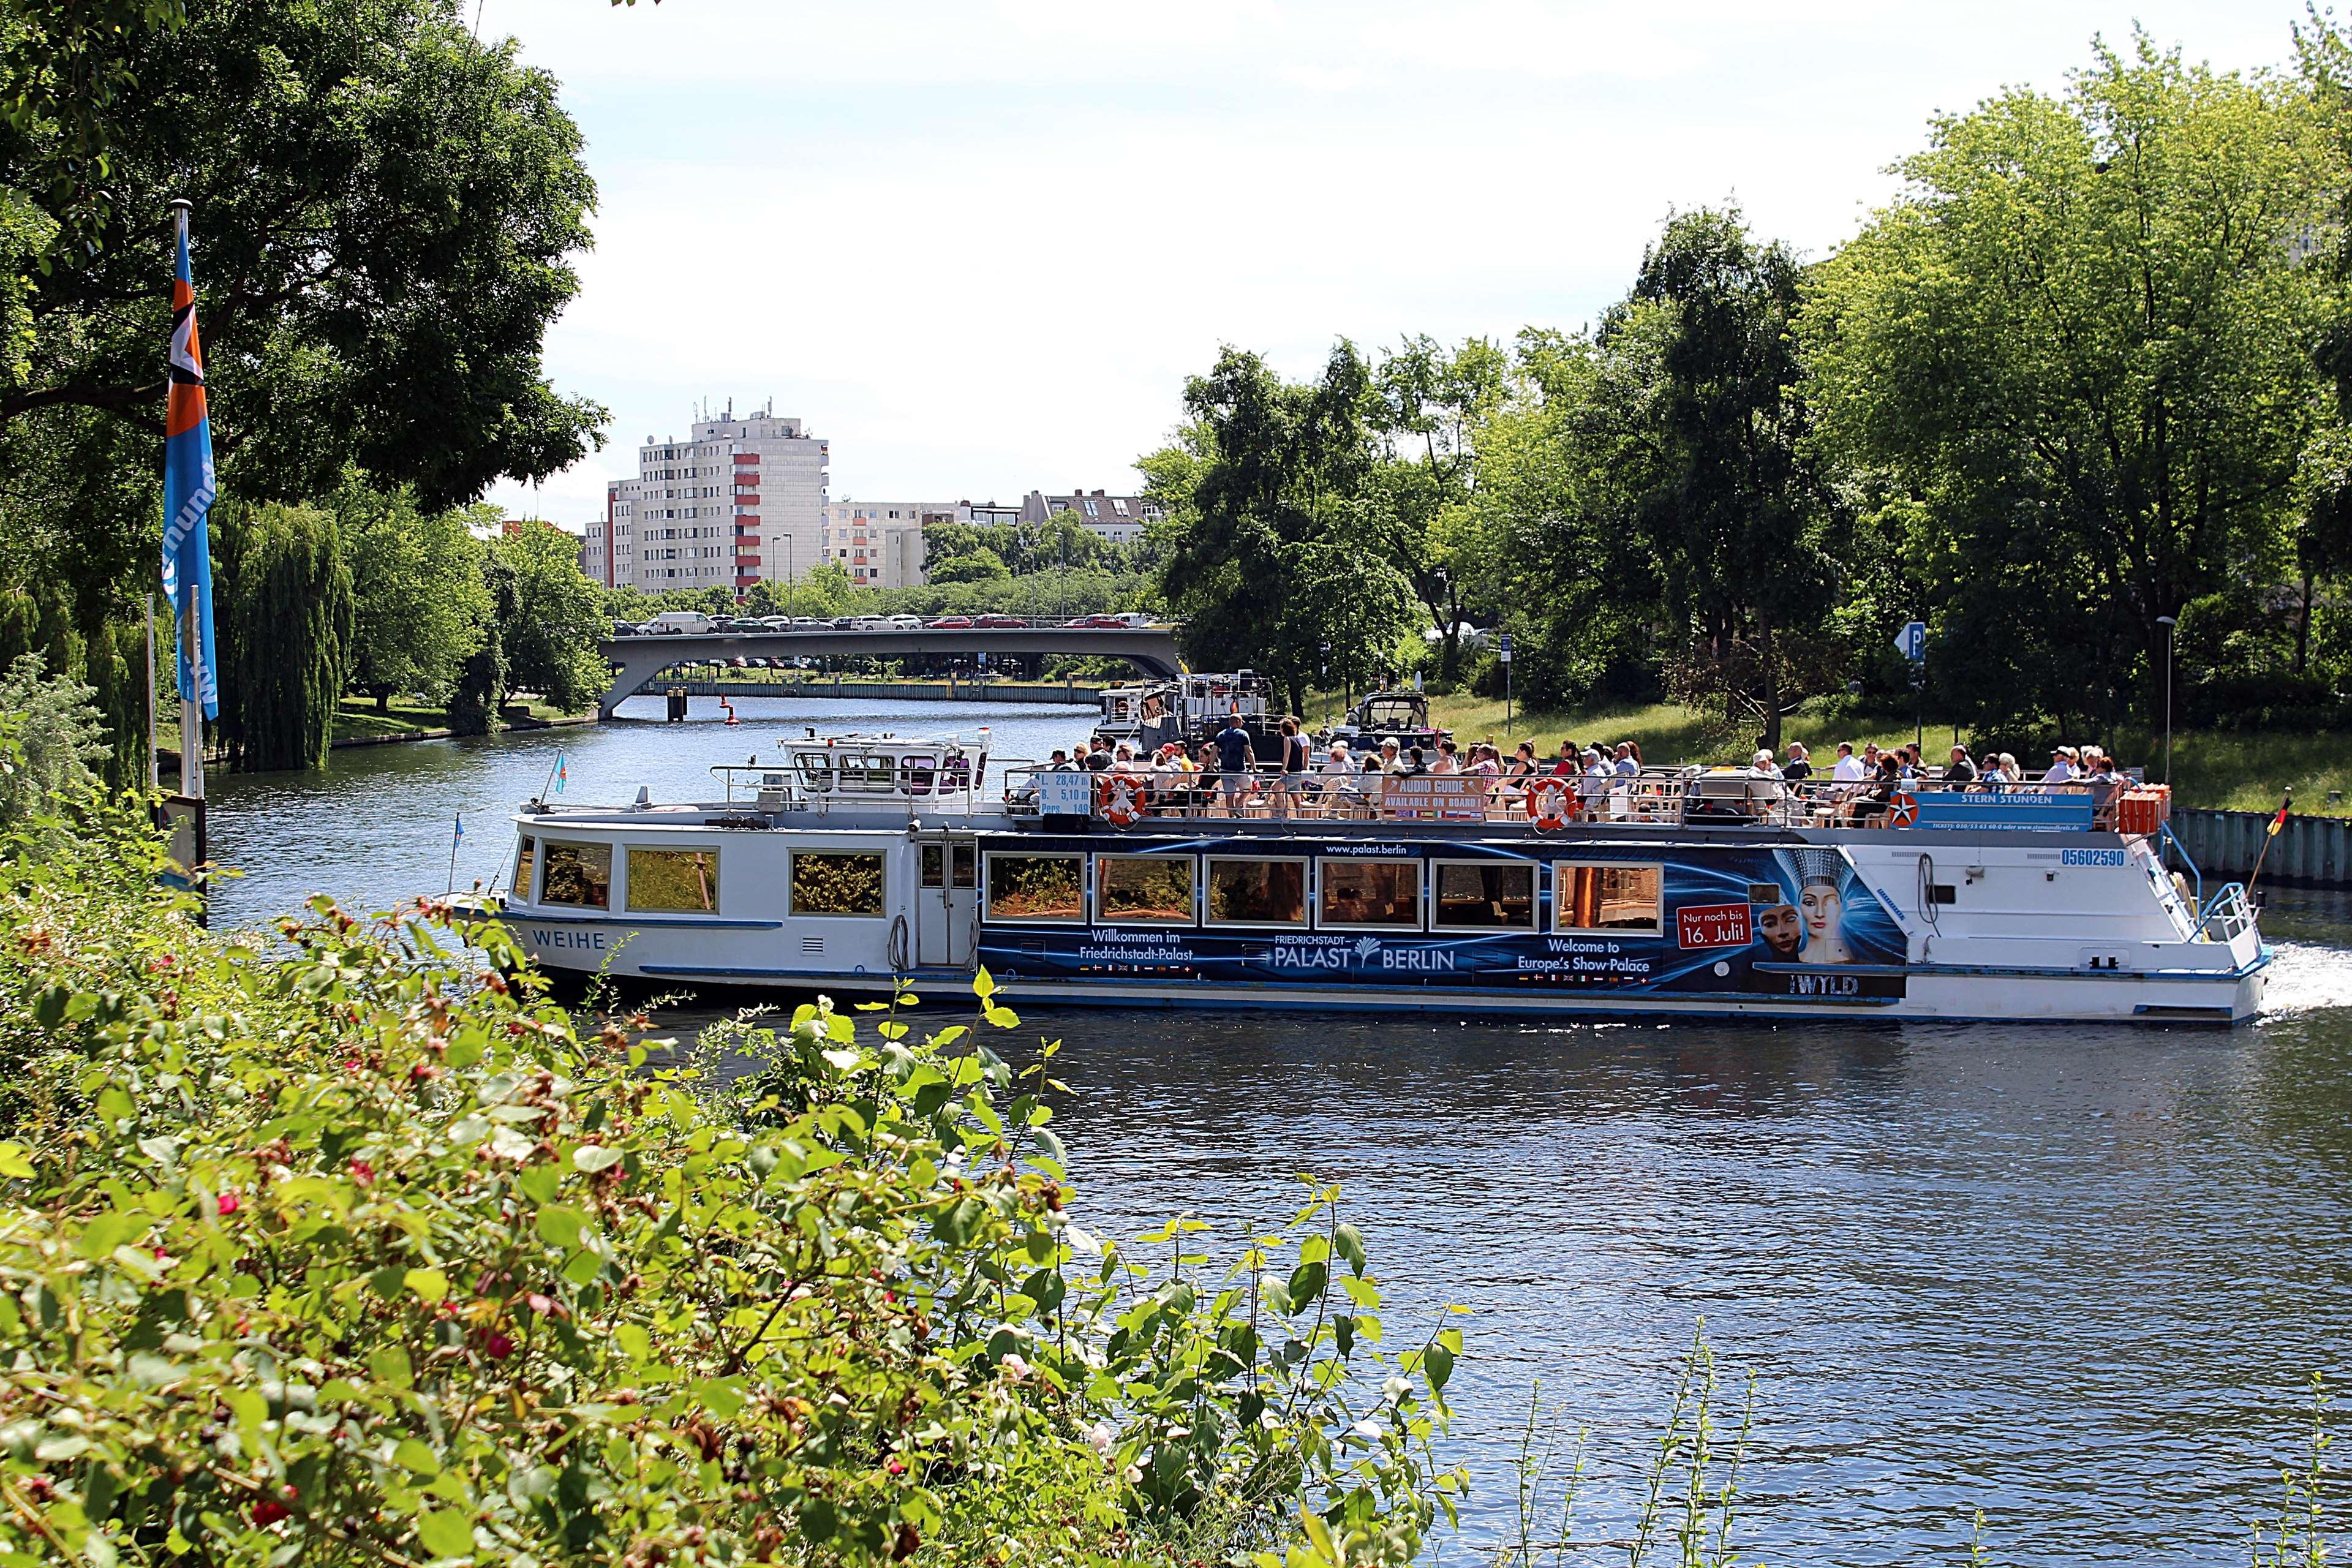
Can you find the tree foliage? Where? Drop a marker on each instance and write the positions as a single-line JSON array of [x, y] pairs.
[[384, 210], [2079, 350], [283, 597], [419, 602]]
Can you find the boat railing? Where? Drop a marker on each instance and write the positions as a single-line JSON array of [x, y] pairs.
[[1675, 797], [2229, 914]]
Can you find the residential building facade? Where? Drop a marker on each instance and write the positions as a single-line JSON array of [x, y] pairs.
[[880, 543], [740, 501], [1118, 519]]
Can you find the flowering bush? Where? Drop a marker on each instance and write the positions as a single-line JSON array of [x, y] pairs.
[[356, 1252]]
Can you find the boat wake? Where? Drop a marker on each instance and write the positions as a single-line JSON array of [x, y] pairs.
[[2305, 978]]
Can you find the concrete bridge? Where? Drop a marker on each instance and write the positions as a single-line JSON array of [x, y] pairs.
[[637, 660]]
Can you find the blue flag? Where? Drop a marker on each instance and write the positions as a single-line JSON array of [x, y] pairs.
[[188, 489]]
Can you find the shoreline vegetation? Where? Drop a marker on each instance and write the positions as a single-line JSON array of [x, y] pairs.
[[345, 1248]]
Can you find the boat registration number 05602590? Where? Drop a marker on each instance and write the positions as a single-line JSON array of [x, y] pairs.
[[2091, 857]]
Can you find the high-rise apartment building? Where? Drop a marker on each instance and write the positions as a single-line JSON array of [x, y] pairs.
[[738, 502]]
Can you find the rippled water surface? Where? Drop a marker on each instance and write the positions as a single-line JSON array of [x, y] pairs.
[[2077, 1277]]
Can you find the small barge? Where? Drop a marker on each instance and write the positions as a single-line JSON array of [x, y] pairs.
[[848, 863]]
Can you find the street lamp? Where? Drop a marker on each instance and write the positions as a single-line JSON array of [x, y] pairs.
[[2169, 623]]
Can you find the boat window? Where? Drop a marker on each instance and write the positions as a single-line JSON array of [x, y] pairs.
[[837, 882], [816, 769], [1037, 887], [1144, 890], [1257, 893], [578, 874], [1605, 898], [1368, 893], [673, 879], [916, 772], [524, 855], [935, 863], [1486, 895], [867, 771]]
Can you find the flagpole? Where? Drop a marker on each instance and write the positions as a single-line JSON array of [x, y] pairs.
[[154, 761], [459, 832], [2277, 822]]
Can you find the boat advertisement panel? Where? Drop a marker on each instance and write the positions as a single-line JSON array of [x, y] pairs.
[[1793, 922]]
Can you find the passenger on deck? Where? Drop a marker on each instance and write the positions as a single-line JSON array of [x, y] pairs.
[[1799, 764], [1628, 762], [1293, 788], [1123, 760], [1599, 775], [1849, 768], [1960, 770], [1236, 757], [1413, 764], [1569, 764], [1059, 762], [1390, 762], [2061, 765], [1869, 809], [1992, 774], [1761, 765], [1444, 763], [1098, 758]]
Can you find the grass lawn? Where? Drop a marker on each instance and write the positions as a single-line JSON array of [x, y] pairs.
[[356, 719], [2238, 771]]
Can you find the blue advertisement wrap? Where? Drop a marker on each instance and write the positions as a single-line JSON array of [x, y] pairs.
[[1741, 920], [2050, 811]]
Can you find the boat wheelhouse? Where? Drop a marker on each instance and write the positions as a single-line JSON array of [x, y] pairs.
[[849, 863]]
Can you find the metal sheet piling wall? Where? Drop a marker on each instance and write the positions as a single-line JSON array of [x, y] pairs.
[[2311, 851]]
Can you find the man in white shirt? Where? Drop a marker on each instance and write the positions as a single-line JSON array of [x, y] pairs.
[[2061, 765], [1848, 769]]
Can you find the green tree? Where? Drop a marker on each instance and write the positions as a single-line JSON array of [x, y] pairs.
[[384, 212], [1737, 516], [979, 565], [550, 625], [283, 596], [1417, 503], [2080, 346], [1264, 556], [419, 604], [53, 738]]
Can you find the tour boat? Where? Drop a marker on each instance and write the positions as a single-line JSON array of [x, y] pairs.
[[852, 863]]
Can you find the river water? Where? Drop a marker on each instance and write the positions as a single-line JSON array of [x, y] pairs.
[[2078, 1278]]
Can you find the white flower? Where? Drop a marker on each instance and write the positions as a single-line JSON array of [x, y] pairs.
[[1268, 1419], [1133, 1474], [1368, 1429], [1015, 1367], [1101, 1436]]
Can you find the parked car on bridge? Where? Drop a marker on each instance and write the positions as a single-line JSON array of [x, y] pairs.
[[1101, 623], [905, 623], [679, 623], [994, 622], [811, 623], [624, 629], [952, 624]]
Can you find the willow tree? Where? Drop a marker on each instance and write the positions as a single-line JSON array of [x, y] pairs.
[[283, 595]]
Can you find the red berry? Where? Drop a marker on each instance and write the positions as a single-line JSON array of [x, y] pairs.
[[362, 1173], [269, 1513], [227, 1203]]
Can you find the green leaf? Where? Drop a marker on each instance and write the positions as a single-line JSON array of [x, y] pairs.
[[594, 1157], [390, 1364], [582, 1267], [560, 1227], [419, 1457], [634, 1343], [429, 1283], [1349, 1243], [13, 1161], [446, 1534], [1438, 1365]]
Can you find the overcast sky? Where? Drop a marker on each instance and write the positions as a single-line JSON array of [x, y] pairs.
[[979, 245]]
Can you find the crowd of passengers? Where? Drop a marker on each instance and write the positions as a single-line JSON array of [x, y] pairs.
[[1225, 773]]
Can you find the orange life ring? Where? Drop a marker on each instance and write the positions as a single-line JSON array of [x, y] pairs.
[[1124, 799], [1549, 803], [1902, 808]]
